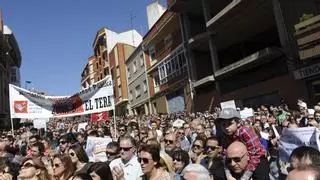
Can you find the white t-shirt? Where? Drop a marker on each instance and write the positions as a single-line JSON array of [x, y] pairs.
[[132, 170]]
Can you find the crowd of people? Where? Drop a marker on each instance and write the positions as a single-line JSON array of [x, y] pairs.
[[219, 145]]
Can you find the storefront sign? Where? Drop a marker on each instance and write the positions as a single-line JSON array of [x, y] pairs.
[[307, 71]]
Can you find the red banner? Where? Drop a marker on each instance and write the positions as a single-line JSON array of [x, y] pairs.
[[100, 117]]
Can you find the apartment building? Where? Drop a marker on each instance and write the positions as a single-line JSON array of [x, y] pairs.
[[10, 62], [98, 65], [167, 66], [138, 83], [117, 58], [243, 50]]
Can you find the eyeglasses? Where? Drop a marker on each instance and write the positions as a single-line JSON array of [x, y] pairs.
[[167, 141], [125, 148], [235, 159], [72, 154], [197, 146], [212, 148], [27, 165], [144, 160]]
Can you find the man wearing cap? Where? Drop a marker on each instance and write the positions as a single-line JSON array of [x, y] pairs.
[[232, 130]]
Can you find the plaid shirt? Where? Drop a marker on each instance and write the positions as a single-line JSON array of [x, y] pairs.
[[254, 146]]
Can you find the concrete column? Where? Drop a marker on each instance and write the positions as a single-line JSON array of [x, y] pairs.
[[192, 76]]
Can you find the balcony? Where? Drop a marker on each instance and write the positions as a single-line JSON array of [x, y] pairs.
[[308, 38], [256, 59], [240, 20]]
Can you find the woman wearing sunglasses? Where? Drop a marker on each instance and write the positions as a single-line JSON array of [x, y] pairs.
[[79, 159], [198, 150], [149, 159], [33, 169], [62, 167]]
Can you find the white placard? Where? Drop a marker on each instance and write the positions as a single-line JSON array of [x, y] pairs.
[[40, 123], [82, 126], [246, 113], [96, 148], [228, 104]]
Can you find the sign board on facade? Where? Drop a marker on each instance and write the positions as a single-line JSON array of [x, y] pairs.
[[307, 71]]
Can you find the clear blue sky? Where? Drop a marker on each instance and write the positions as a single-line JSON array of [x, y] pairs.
[[55, 36]]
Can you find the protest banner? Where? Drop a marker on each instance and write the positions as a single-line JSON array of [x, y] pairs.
[[292, 138], [94, 99], [96, 148]]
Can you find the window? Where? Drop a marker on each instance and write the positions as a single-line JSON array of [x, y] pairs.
[[152, 53], [156, 80], [130, 96], [118, 72], [141, 60], [128, 71], [168, 40], [134, 66], [145, 86], [119, 91], [138, 91]]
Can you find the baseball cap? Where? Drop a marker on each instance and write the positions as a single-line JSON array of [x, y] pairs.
[[229, 113]]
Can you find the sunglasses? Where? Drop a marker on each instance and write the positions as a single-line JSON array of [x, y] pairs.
[[27, 165], [72, 154], [144, 160], [235, 159], [125, 148], [212, 148], [63, 142], [56, 165], [166, 141], [197, 146], [176, 159]]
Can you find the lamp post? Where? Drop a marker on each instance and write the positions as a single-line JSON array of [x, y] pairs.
[[26, 82]]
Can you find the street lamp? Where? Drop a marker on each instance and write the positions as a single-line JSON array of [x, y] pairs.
[[26, 82]]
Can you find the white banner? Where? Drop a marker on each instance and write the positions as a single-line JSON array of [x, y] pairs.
[[97, 98], [292, 138]]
